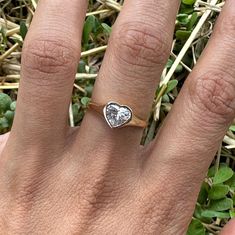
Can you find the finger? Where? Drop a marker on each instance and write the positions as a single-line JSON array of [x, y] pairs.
[[229, 228], [138, 49], [50, 55], [200, 117]]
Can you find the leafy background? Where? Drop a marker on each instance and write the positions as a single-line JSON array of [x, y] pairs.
[[215, 205]]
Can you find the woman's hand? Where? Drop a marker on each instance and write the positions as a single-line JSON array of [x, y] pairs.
[[96, 180]]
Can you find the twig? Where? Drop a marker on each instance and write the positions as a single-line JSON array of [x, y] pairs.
[[8, 24], [8, 52], [17, 76], [86, 76], [182, 63], [79, 88], [210, 6], [71, 118], [230, 142], [188, 43], [93, 51], [217, 163], [34, 4], [98, 12], [230, 147], [9, 86], [11, 32], [112, 4]]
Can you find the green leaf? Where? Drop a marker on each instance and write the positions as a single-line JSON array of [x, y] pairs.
[[89, 89], [218, 191], [192, 21], [76, 113], [231, 182], [221, 205], [183, 19], [106, 28], [4, 123], [186, 9], [179, 68], [23, 30], [82, 67], [90, 23], [13, 106], [85, 101], [171, 86], [212, 214], [196, 228], [232, 211], [182, 34], [165, 99], [202, 197], [188, 2], [169, 63], [211, 172], [224, 173], [198, 214], [232, 128], [9, 115], [5, 102]]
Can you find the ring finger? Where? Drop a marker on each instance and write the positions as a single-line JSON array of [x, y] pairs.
[[139, 47]]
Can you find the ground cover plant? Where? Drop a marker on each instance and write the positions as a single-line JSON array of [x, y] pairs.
[[193, 28]]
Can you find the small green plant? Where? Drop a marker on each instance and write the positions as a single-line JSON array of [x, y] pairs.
[[7, 112], [215, 202]]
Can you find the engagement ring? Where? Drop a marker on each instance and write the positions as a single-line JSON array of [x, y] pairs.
[[117, 115]]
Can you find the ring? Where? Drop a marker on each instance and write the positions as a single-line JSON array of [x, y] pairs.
[[117, 115]]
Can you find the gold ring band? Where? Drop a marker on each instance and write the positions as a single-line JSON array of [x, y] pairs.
[[117, 115]]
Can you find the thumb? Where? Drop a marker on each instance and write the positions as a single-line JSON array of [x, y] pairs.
[[229, 229]]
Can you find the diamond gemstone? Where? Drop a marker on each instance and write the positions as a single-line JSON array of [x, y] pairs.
[[117, 115]]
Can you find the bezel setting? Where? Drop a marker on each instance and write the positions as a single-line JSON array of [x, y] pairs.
[[117, 115]]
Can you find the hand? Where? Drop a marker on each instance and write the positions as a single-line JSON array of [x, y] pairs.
[[95, 180]]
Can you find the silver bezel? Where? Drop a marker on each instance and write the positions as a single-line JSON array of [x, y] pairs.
[[121, 106]]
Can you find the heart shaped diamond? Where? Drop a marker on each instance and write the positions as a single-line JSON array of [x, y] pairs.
[[117, 115]]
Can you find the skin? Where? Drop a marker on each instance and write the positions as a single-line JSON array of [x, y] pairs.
[[94, 180]]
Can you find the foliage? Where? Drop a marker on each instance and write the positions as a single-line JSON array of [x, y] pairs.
[[7, 112]]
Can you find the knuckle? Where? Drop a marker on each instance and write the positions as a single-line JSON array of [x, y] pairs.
[[49, 56], [140, 46], [214, 93]]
